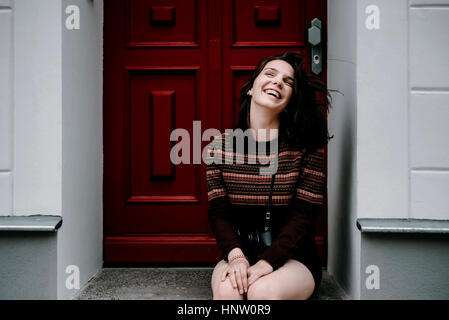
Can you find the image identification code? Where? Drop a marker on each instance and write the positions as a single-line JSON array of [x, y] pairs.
[[226, 309]]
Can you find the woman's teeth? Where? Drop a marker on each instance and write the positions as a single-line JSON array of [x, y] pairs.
[[272, 93]]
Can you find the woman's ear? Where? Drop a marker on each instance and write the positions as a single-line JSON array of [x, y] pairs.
[[250, 92]]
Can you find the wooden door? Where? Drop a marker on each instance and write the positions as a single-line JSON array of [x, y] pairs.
[[169, 63]]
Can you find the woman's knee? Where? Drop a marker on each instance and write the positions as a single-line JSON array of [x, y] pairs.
[[225, 291], [263, 290]]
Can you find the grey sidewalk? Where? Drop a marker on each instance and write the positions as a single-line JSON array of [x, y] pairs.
[[169, 284]]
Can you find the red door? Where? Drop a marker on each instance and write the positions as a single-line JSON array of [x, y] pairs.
[[169, 63]]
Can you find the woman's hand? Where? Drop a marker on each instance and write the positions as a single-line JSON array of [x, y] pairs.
[[237, 270], [258, 270]]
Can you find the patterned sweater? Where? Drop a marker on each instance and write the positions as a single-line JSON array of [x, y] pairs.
[[238, 196]]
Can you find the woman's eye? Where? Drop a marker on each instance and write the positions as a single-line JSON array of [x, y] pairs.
[[269, 73]]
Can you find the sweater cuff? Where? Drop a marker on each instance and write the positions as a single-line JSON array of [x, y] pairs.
[[227, 250]]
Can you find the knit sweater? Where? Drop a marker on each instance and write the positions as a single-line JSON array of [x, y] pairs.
[[238, 197]]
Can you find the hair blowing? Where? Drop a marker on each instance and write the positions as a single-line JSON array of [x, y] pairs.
[[302, 122]]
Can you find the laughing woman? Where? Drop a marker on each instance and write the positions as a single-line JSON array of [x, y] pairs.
[[279, 95]]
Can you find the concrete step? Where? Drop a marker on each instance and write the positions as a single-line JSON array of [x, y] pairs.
[[170, 284]]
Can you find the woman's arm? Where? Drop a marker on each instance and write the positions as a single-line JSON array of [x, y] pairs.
[[219, 211], [222, 226]]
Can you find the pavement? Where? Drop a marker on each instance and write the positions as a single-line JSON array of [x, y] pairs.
[[170, 284]]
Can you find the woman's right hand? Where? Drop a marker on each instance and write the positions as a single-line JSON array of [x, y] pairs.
[[238, 274]]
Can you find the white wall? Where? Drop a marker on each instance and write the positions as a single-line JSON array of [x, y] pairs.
[[382, 112], [403, 107], [343, 236], [51, 155], [81, 235], [6, 106], [37, 108], [30, 114], [389, 158], [429, 108]]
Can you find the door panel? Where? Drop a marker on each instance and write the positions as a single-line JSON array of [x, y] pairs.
[[168, 63], [163, 23], [159, 102], [256, 23]]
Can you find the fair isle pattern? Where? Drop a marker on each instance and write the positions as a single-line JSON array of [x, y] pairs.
[[243, 184], [311, 187]]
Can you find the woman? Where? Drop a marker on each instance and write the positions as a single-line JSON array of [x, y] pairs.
[[279, 95]]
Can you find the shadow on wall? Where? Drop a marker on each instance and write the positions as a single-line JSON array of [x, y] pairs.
[[343, 195]]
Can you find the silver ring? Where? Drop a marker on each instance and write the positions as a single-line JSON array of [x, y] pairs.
[[236, 271]]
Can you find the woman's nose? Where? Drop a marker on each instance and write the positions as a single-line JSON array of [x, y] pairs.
[[276, 81]]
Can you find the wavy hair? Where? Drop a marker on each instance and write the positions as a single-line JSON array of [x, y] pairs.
[[303, 122]]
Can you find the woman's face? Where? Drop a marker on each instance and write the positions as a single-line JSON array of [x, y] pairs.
[[273, 87]]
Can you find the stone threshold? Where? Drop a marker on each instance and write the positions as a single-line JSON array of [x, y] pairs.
[[170, 284]]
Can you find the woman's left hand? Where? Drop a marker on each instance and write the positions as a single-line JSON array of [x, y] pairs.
[[258, 270]]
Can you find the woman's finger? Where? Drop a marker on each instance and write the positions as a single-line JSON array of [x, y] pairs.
[[232, 278], [224, 274], [245, 280], [238, 278]]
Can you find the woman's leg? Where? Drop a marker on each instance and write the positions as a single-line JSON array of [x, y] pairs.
[[223, 290], [292, 281]]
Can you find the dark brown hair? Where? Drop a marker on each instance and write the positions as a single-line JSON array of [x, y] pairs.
[[303, 122]]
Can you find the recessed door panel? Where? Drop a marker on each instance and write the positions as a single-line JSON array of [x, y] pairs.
[[174, 23], [268, 23]]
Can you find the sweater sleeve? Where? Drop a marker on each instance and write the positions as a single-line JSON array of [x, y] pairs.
[[219, 211], [304, 209]]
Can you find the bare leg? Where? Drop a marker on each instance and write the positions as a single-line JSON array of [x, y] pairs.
[[292, 281], [223, 290]]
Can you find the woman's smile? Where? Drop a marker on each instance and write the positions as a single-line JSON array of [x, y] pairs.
[[273, 93]]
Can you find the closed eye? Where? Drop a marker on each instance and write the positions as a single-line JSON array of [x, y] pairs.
[[288, 80]]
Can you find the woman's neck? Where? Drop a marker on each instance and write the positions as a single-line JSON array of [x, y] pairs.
[[261, 118]]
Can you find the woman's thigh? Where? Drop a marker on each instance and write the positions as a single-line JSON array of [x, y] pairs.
[[223, 289], [292, 281]]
